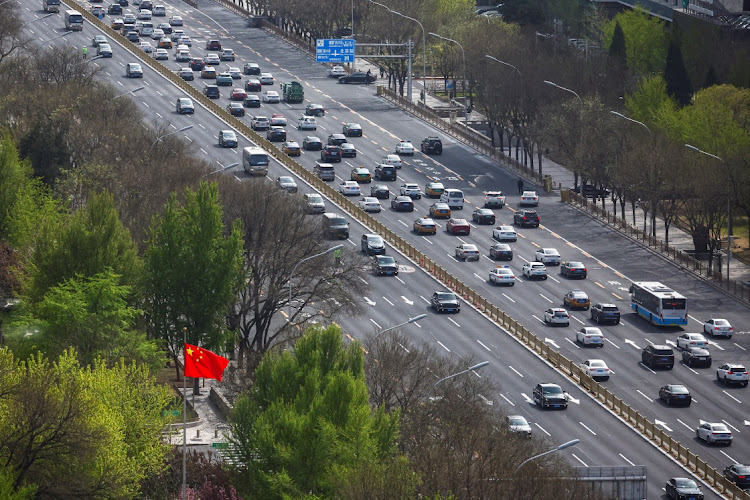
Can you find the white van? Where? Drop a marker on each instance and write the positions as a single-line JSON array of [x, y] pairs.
[[73, 20], [159, 10], [255, 161], [453, 197]]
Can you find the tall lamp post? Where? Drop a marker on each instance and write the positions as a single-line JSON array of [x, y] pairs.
[[463, 87], [581, 114], [330, 250], [410, 320], [138, 89], [56, 37], [469, 369], [34, 20], [158, 139], [729, 204], [561, 447], [220, 169], [507, 64]]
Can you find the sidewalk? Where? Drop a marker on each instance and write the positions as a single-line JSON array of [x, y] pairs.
[[211, 426]]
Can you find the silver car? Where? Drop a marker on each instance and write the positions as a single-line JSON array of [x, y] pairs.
[[519, 425], [713, 433]]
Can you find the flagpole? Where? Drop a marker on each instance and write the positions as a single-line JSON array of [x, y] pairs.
[[184, 417]]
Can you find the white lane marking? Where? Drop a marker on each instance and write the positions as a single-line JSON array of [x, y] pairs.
[[639, 392], [551, 342], [506, 296], [452, 321], [615, 345], [528, 399], [735, 343], [402, 281], [201, 126], [553, 279], [204, 151], [516, 371], [543, 430], [587, 428], [362, 280], [628, 341], [574, 343], [663, 424], [731, 460], [386, 299], [582, 462], [508, 400], [480, 343], [443, 346], [547, 299], [628, 461], [730, 425], [372, 303], [409, 302], [424, 299], [377, 325], [686, 425], [646, 367], [725, 392], [428, 241], [581, 322]]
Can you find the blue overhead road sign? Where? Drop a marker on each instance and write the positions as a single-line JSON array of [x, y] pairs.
[[338, 50]]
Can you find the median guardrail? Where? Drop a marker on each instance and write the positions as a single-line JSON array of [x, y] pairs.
[[483, 304]]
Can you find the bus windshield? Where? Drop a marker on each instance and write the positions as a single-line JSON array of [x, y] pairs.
[[673, 303]]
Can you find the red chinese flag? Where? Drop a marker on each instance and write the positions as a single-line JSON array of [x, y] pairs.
[[200, 363]]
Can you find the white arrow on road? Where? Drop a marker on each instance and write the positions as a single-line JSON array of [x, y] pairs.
[[369, 301], [573, 400], [671, 342], [627, 341], [747, 422], [410, 302], [659, 422], [528, 399], [552, 343]]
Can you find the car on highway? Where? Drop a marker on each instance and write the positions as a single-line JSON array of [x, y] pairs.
[[529, 199], [176, 35], [228, 139], [590, 336], [98, 10], [276, 134], [548, 256], [550, 396], [696, 357], [596, 369], [175, 21], [691, 340], [483, 216], [372, 244], [657, 356], [494, 199], [165, 27], [227, 55], [453, 197], [683, 488], [675, 394], [146, 47], [211, 59], [384, 172], [361, 174], [184, 106], [573, 269], [184, 40], [370, 204], [224, 80], [336, 71], [714, 433], [411, 190], [717, 327], [313, 109], [271, 96], [352, 130], [331, 154], [260, 123], [132, 36], [117, 24], [291, 148], [180, 55], [605, 313], [526, 218], [358, 77], [251, 101], [211, 91], [519, 425], [440, 210], [208, 73], [385, 265], [266, 79], [348, 150], [458, 226], [143, 15], [402, 204], [314, 203], [732, 373], [467, 251], [502, 275], [445, 302], [133, 70], [186, 74], [307, 123], [350, 188], [392, 160], [738, 474], [251, 69], [105, 50], [504, 233], [129, 18], [501, 251], [557, 316], [159, 11], [380, 191], [252, 85], [98, 39], [312, 143], [576, 299], [114, 10], [434, 189], [287, 183], [432, 144], [534, 270], [213, 45], [278, 120], [238, 94], [405, 148], [424, 225], [161, 55], [158, 34], [324, 171], [197, 64]]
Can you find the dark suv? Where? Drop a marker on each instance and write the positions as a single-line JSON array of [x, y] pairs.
[[602, 313], [658, 356], [385, 172], [211, 91], [550, 396], [526, 218], [590, 191], [432, 145], [331, 154]]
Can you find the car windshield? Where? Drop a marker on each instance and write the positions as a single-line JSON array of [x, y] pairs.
[[552, 390], [743, 469], [575, 264], [685, 483], [445, 296], [386, 260], [610, 308], [517, 421], [597, 363], [719, 428], [229, 135], [679, 389], [286, 180]]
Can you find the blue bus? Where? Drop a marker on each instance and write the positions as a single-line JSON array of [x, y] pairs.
[[658, 303]]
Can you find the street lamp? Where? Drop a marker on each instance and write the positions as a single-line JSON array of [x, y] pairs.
[[469, 369], [221, 169], [561, 447], [158, 139], [138, 89], [34, 20], [410, 320], [507, 64], [332, 249], [729, 206], [581, 115], [463, 86], [58, 36], [6, 1]]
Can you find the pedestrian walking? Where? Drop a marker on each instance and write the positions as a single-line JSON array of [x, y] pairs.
[[367, 77], [382, 72], [520, 186], [85, 51]]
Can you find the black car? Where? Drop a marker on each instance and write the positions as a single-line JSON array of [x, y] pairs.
[[252, 101], [696, 357], [348, 150], [380, 192], [133, 37], [573, 269], [501, 251], [315, 110], [114, 9], [197, 64], [252, 85], [402, 204], [675, 394], [605, 313], [483, 216], [146, 5], [336, 139], [251, 69], [211, 91], [385, 172], [590, 191], [445, 302], [385, 265], [331, 154], [550, 396], [739, 474], [432, 145], [682, 488], [236, 109], [358, 77], [526, 218], [311, 143], [658, 356], [276, 134]]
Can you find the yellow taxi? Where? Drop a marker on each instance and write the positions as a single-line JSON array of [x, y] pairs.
[[291, 148], [440, 210], [208, 72], [425, 225], [165, 43], [361, 174], [576, 299], [434, 189]]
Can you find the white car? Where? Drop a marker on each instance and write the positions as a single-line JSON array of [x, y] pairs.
[[146, 47], [336, 71], [392, 160], [157, 34], [176, 35], [529, 199], [494, 199], [266, 79], [411, 190], [732, 373], [350, 188], [307, 123], [405, 148], [687, 340], [271, 96], [502, 275], [718, 328], [467, 251], [159, 10], [548, 256], [590, 335], [175, 21], [185, 40], [211, 59], [183, 56], [714, 433], [129, 18], [161, 55], [235, 72], [557, 316], [370, 204], [596, 368], [144, 15], [504, 233], [535, 270], [519, 425], [278, 120]]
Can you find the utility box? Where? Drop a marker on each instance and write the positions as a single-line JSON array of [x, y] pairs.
[[547, 183], [255, 22], [293, 92]]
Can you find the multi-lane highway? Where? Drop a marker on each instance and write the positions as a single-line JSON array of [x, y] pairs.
[[612, 261]]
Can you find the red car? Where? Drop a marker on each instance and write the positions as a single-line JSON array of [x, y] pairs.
[[213, 45], [238, 95], [458, 226], [197, 64]]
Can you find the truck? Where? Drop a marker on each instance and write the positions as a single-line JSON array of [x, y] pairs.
[[51, 5], [292, 92]]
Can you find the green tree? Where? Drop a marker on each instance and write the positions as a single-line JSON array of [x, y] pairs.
[[675, 74], [650, 102], [192, 271], [645, 40], [307, 416]]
